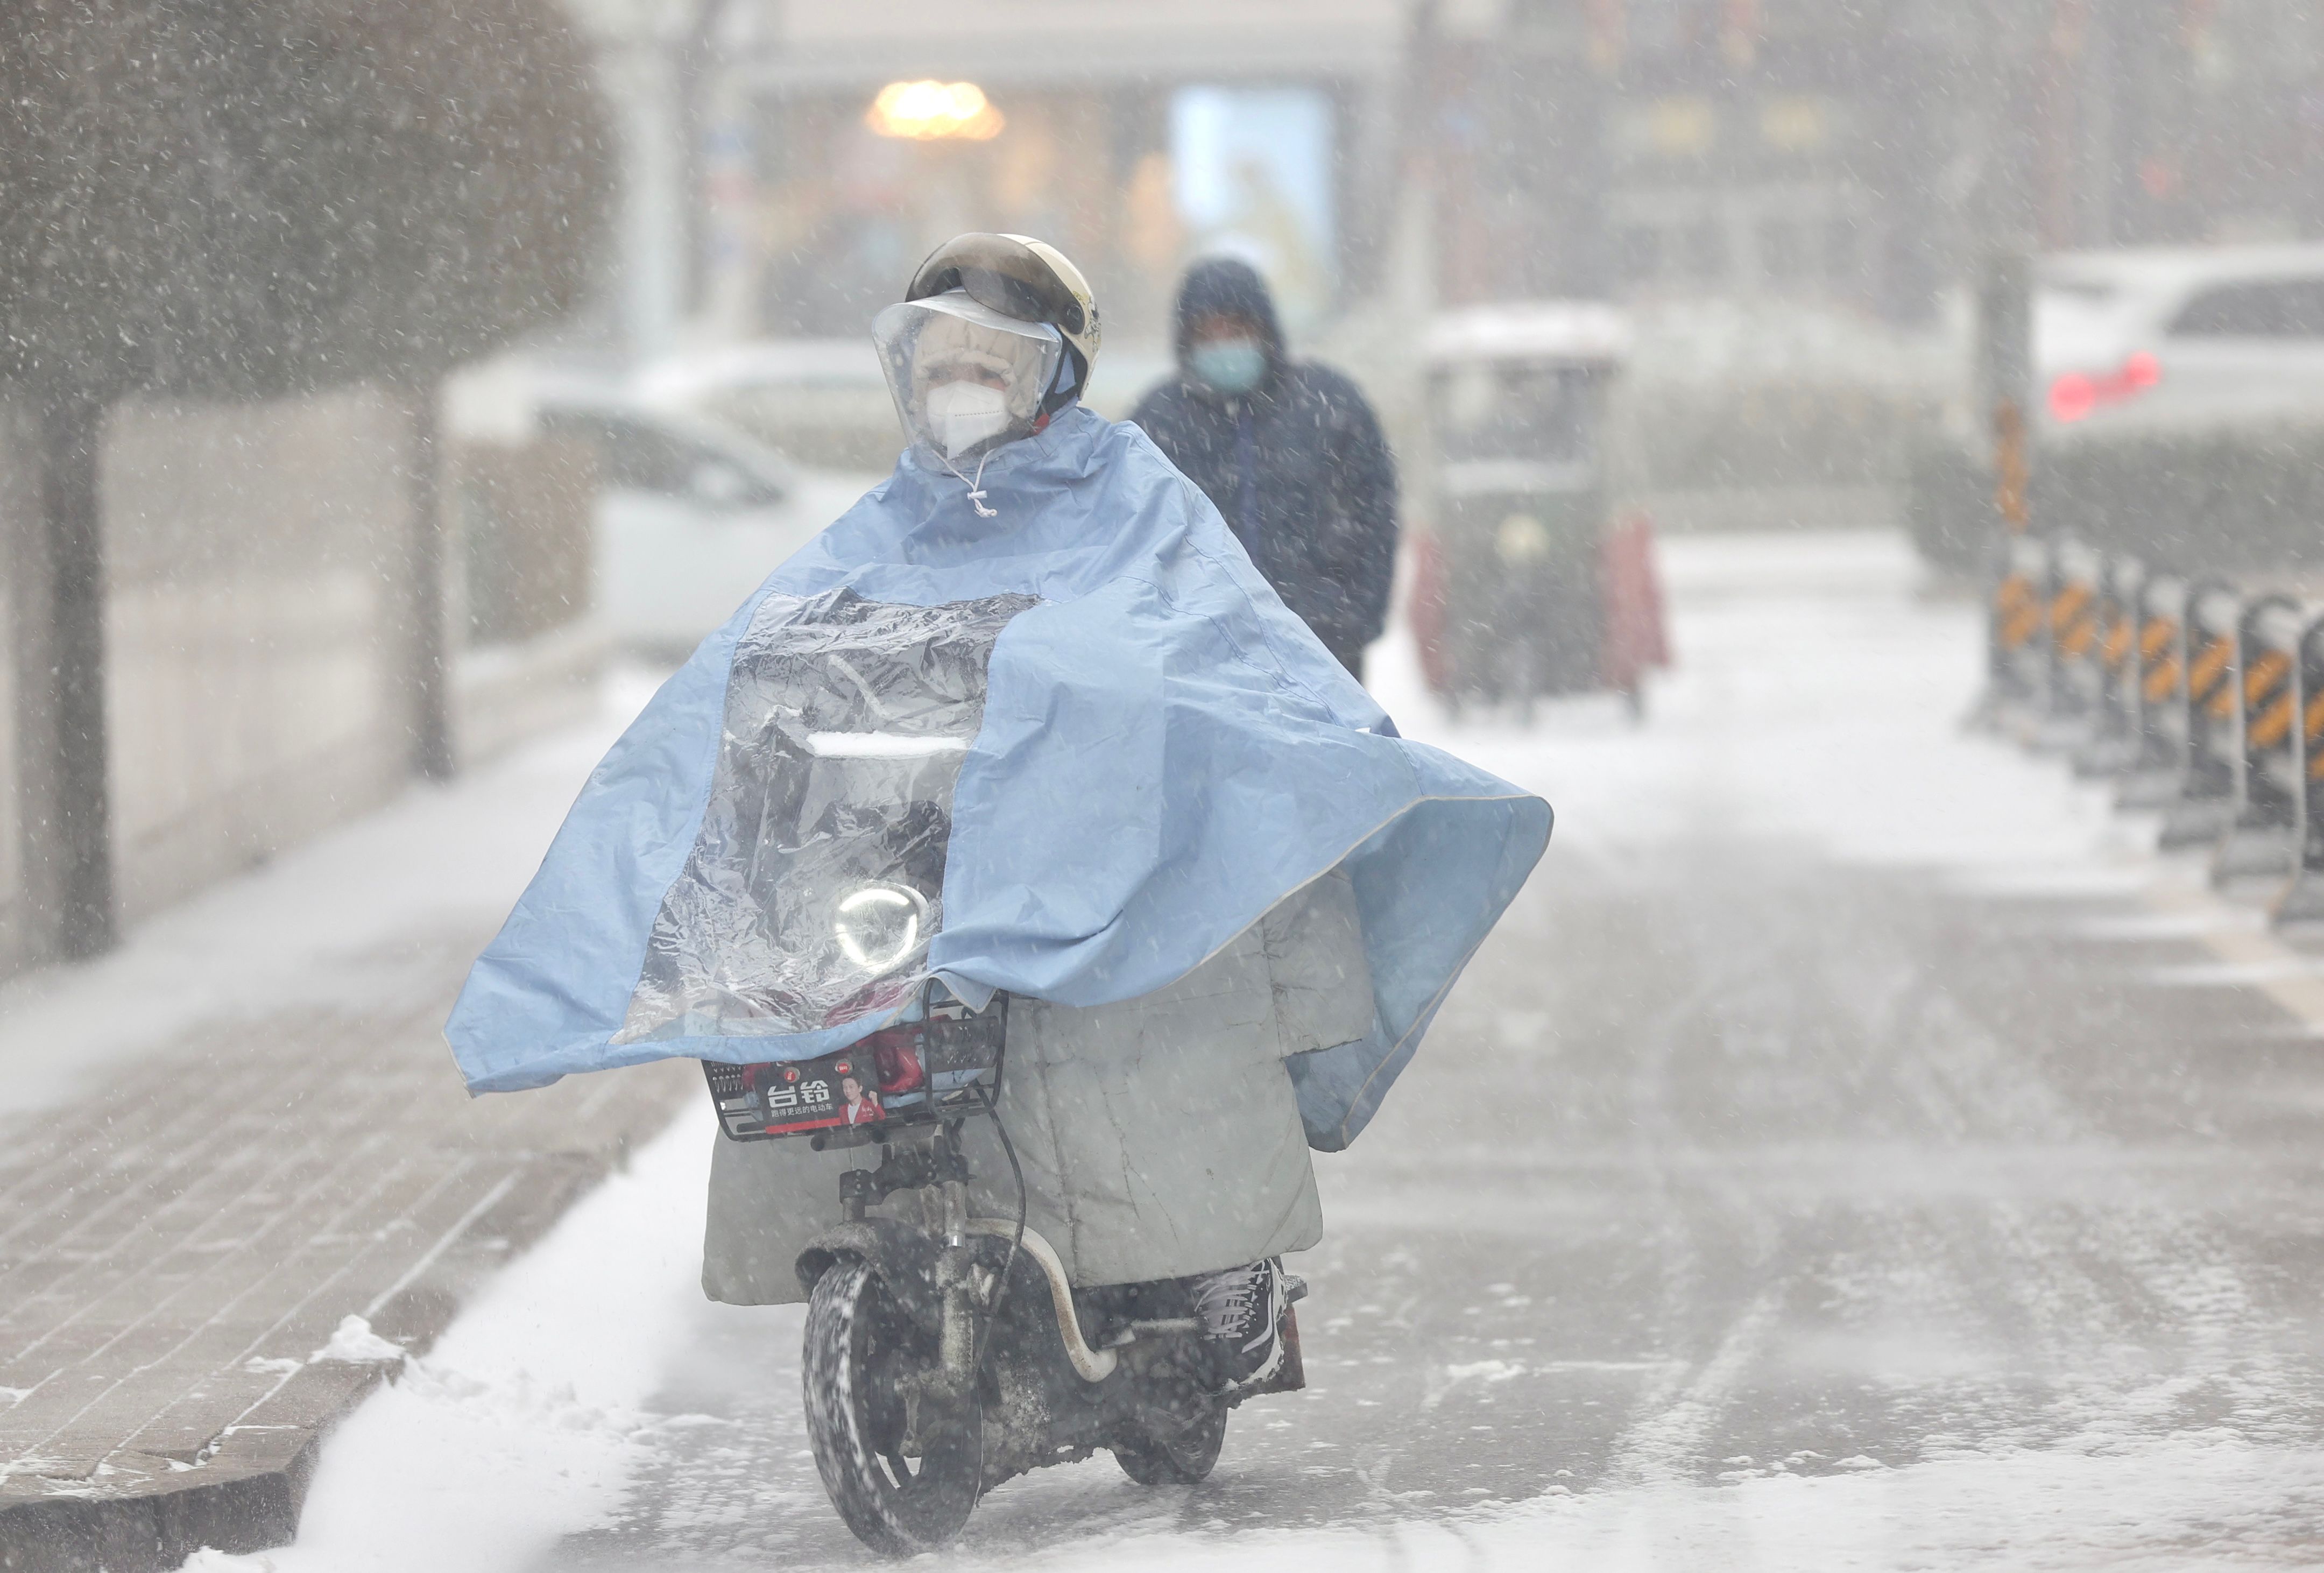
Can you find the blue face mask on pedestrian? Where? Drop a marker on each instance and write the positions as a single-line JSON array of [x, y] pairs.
[[1229, 366]]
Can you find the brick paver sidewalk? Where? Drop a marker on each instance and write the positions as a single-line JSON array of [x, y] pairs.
[[174, 1253]]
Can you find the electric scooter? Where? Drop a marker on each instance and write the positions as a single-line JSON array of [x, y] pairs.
[[948, 1353]]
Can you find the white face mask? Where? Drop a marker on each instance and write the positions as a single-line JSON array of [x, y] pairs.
[[962, 414]]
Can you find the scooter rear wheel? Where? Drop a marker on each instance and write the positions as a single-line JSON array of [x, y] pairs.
[[1185, 1460], [862, 1358]]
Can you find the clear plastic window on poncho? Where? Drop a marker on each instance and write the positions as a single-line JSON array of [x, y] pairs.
[[817, 881], [965, 378]]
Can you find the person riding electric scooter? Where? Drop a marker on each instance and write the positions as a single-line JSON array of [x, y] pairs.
[[1017, 831]]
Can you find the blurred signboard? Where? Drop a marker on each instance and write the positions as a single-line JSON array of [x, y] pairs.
[[1252, 176]]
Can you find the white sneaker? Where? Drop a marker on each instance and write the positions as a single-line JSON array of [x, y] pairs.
[[1242, 1311]]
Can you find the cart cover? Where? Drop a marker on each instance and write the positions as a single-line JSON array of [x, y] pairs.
[[1069, 750]]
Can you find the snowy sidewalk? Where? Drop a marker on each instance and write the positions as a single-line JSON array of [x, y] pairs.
[[239, 1176]]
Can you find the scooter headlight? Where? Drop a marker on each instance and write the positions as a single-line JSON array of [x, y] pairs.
[[879, 925]]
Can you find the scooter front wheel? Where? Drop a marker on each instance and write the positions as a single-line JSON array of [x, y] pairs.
[[902, 1494], [1184, 1459]]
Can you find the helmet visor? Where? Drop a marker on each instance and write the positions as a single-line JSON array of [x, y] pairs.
[[965, 378], [1002, 272]]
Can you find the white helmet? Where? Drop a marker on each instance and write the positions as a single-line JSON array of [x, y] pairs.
[[995, 334], [1020, 277]]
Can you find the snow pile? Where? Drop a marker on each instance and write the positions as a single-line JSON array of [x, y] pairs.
[[354, 1343], [209, 1560], [527, 1419]]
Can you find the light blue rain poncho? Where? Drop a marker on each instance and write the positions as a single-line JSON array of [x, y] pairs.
[[1138, 751]]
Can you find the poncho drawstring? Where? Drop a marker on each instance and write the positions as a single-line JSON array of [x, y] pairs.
[[975, 488]]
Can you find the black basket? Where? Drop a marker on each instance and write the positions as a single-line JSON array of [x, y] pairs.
[[916, 1073]]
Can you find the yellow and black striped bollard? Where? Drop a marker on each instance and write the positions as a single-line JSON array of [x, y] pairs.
[[2206, 796], [2159, 690], [2112, 744]]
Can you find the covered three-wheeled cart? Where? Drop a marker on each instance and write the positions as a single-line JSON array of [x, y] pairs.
[[1524, 585]]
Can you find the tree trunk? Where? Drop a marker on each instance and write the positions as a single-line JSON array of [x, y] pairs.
[[72, 429], [696, 57], [432, 755]]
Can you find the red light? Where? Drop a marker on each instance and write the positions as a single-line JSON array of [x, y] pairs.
[[2072, 397]]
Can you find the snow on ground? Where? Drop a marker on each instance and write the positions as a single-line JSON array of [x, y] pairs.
[[2123, 1513], [1818, 695], [1817, 701], [528, 1415], [525, 1421]]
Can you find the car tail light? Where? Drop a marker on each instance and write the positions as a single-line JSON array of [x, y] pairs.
[[2072, 397], [2075, 396]]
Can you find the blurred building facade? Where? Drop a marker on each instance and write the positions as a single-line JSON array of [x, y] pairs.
[[1135, 136], [1854, 153], [1833, 150]]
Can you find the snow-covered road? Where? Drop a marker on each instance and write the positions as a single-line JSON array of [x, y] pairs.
[[1856, 1151]]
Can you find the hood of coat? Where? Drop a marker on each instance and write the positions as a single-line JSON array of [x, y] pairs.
[[1228, 286]]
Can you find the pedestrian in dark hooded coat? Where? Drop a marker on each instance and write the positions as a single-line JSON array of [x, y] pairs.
[[1289, 451]]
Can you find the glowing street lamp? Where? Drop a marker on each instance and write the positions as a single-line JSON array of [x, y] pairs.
[[927, 111]]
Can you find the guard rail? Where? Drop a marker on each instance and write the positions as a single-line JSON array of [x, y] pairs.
[[2198, 697]]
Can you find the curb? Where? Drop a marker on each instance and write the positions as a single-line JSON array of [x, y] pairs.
[[240, 1489]]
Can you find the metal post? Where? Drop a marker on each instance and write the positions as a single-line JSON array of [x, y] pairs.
[[2261, 843], [433, 754], [2302, 901], [79, 812], [2005, 378]]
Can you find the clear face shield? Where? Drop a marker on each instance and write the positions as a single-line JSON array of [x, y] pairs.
[[965, 378]]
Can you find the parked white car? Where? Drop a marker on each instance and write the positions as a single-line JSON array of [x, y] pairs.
[[820, 401], [2192, 340], [691, 515]]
